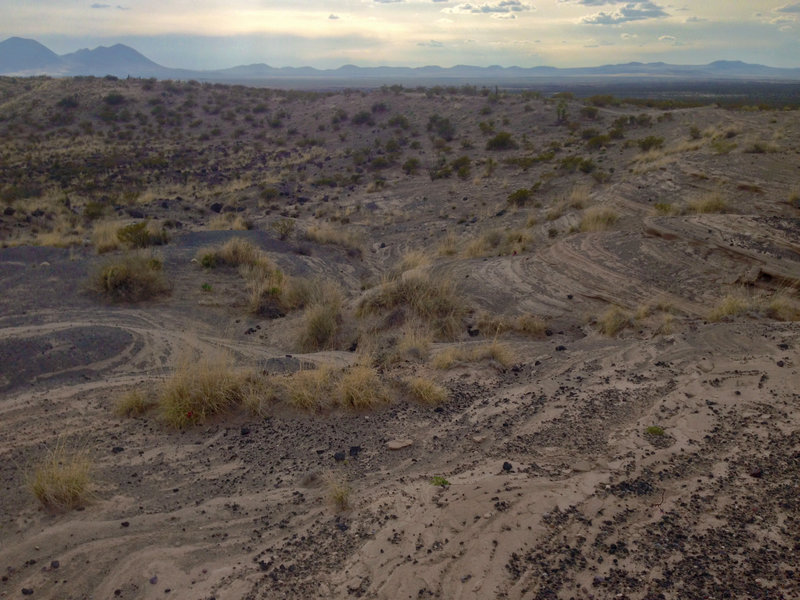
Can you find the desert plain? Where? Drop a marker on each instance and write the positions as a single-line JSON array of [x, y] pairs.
[[447, 342]]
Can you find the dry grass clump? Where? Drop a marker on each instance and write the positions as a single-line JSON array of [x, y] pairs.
[[339, 236], [359, 388], [62, 478], [411, 260], [425, 391], [134, 404], [598, 218], [435, 302], [321, 322], [495, 350], [339, 491], [229, 222], [104, 236], [309, 389], [526, 324], [781, 305], [200, 389], [236, 252], [613, 320], [414, 344], [131, 278], [708, 203], [448, 246], [497, 242]]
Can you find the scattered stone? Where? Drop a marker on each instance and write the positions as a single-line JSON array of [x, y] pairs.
[[398, 444], [216, 207], [117, 449], [757, 472], [507, 466], [245, 430], [560, 348], [339, 456], [54, 564], [478, 438], [154, 580], [354, 450], [27, 592], [125, 524]]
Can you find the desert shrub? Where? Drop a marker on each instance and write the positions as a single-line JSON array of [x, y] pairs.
[[598, 218], [577, 163], [442, 127], [665, 209], [462, 166], [62, 478], [94, 210], [114, 99], [501, 141], [448, 246], [589, 112], [399, 122], [651, 142], [411, 166], [613, 320], [199, 389], [142, 235], [363, 117], [598, 141], [68, 102], [426, 391], [414, 344], [520, 197], [131, 278], [435, 302]]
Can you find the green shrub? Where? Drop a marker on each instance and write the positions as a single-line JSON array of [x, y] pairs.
[[501, 141], [141, 235]]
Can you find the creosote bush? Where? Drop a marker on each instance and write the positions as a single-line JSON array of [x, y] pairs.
[[131, 278], [62, 478]]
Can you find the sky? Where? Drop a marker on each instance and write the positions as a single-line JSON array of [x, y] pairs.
[[210, 34]]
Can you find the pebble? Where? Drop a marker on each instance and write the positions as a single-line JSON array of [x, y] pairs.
[[339, 456], [507, 466], [398, 444], [27, 592]]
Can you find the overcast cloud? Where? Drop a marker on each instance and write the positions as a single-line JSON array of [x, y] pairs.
[[213, 34]]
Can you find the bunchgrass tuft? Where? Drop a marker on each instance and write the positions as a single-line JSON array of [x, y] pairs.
[[709, 203], [435, 302], [131, 278], [598, 218], [613, 320], [134, 404], [200, 389], [360, 387], [426, 391], [495, 351], [62, 478]]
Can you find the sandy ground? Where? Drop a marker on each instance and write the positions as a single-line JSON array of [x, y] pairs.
[[555, 489]]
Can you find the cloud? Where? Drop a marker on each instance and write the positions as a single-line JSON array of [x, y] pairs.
[[504, 9], [387, 1], [431, 44], [666, 38], [789, 8], [696, 20], [333, 17], [628, 36], [97, 5], [632, 11]]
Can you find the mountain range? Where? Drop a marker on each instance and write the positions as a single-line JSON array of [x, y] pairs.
[[26, 57]]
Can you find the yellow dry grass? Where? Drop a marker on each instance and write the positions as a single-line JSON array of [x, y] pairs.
[[62, 478]]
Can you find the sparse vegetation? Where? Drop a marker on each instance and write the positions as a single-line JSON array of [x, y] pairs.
[[708, 203], [426, 391], [495, 351], [598, 218], [613, 320]]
